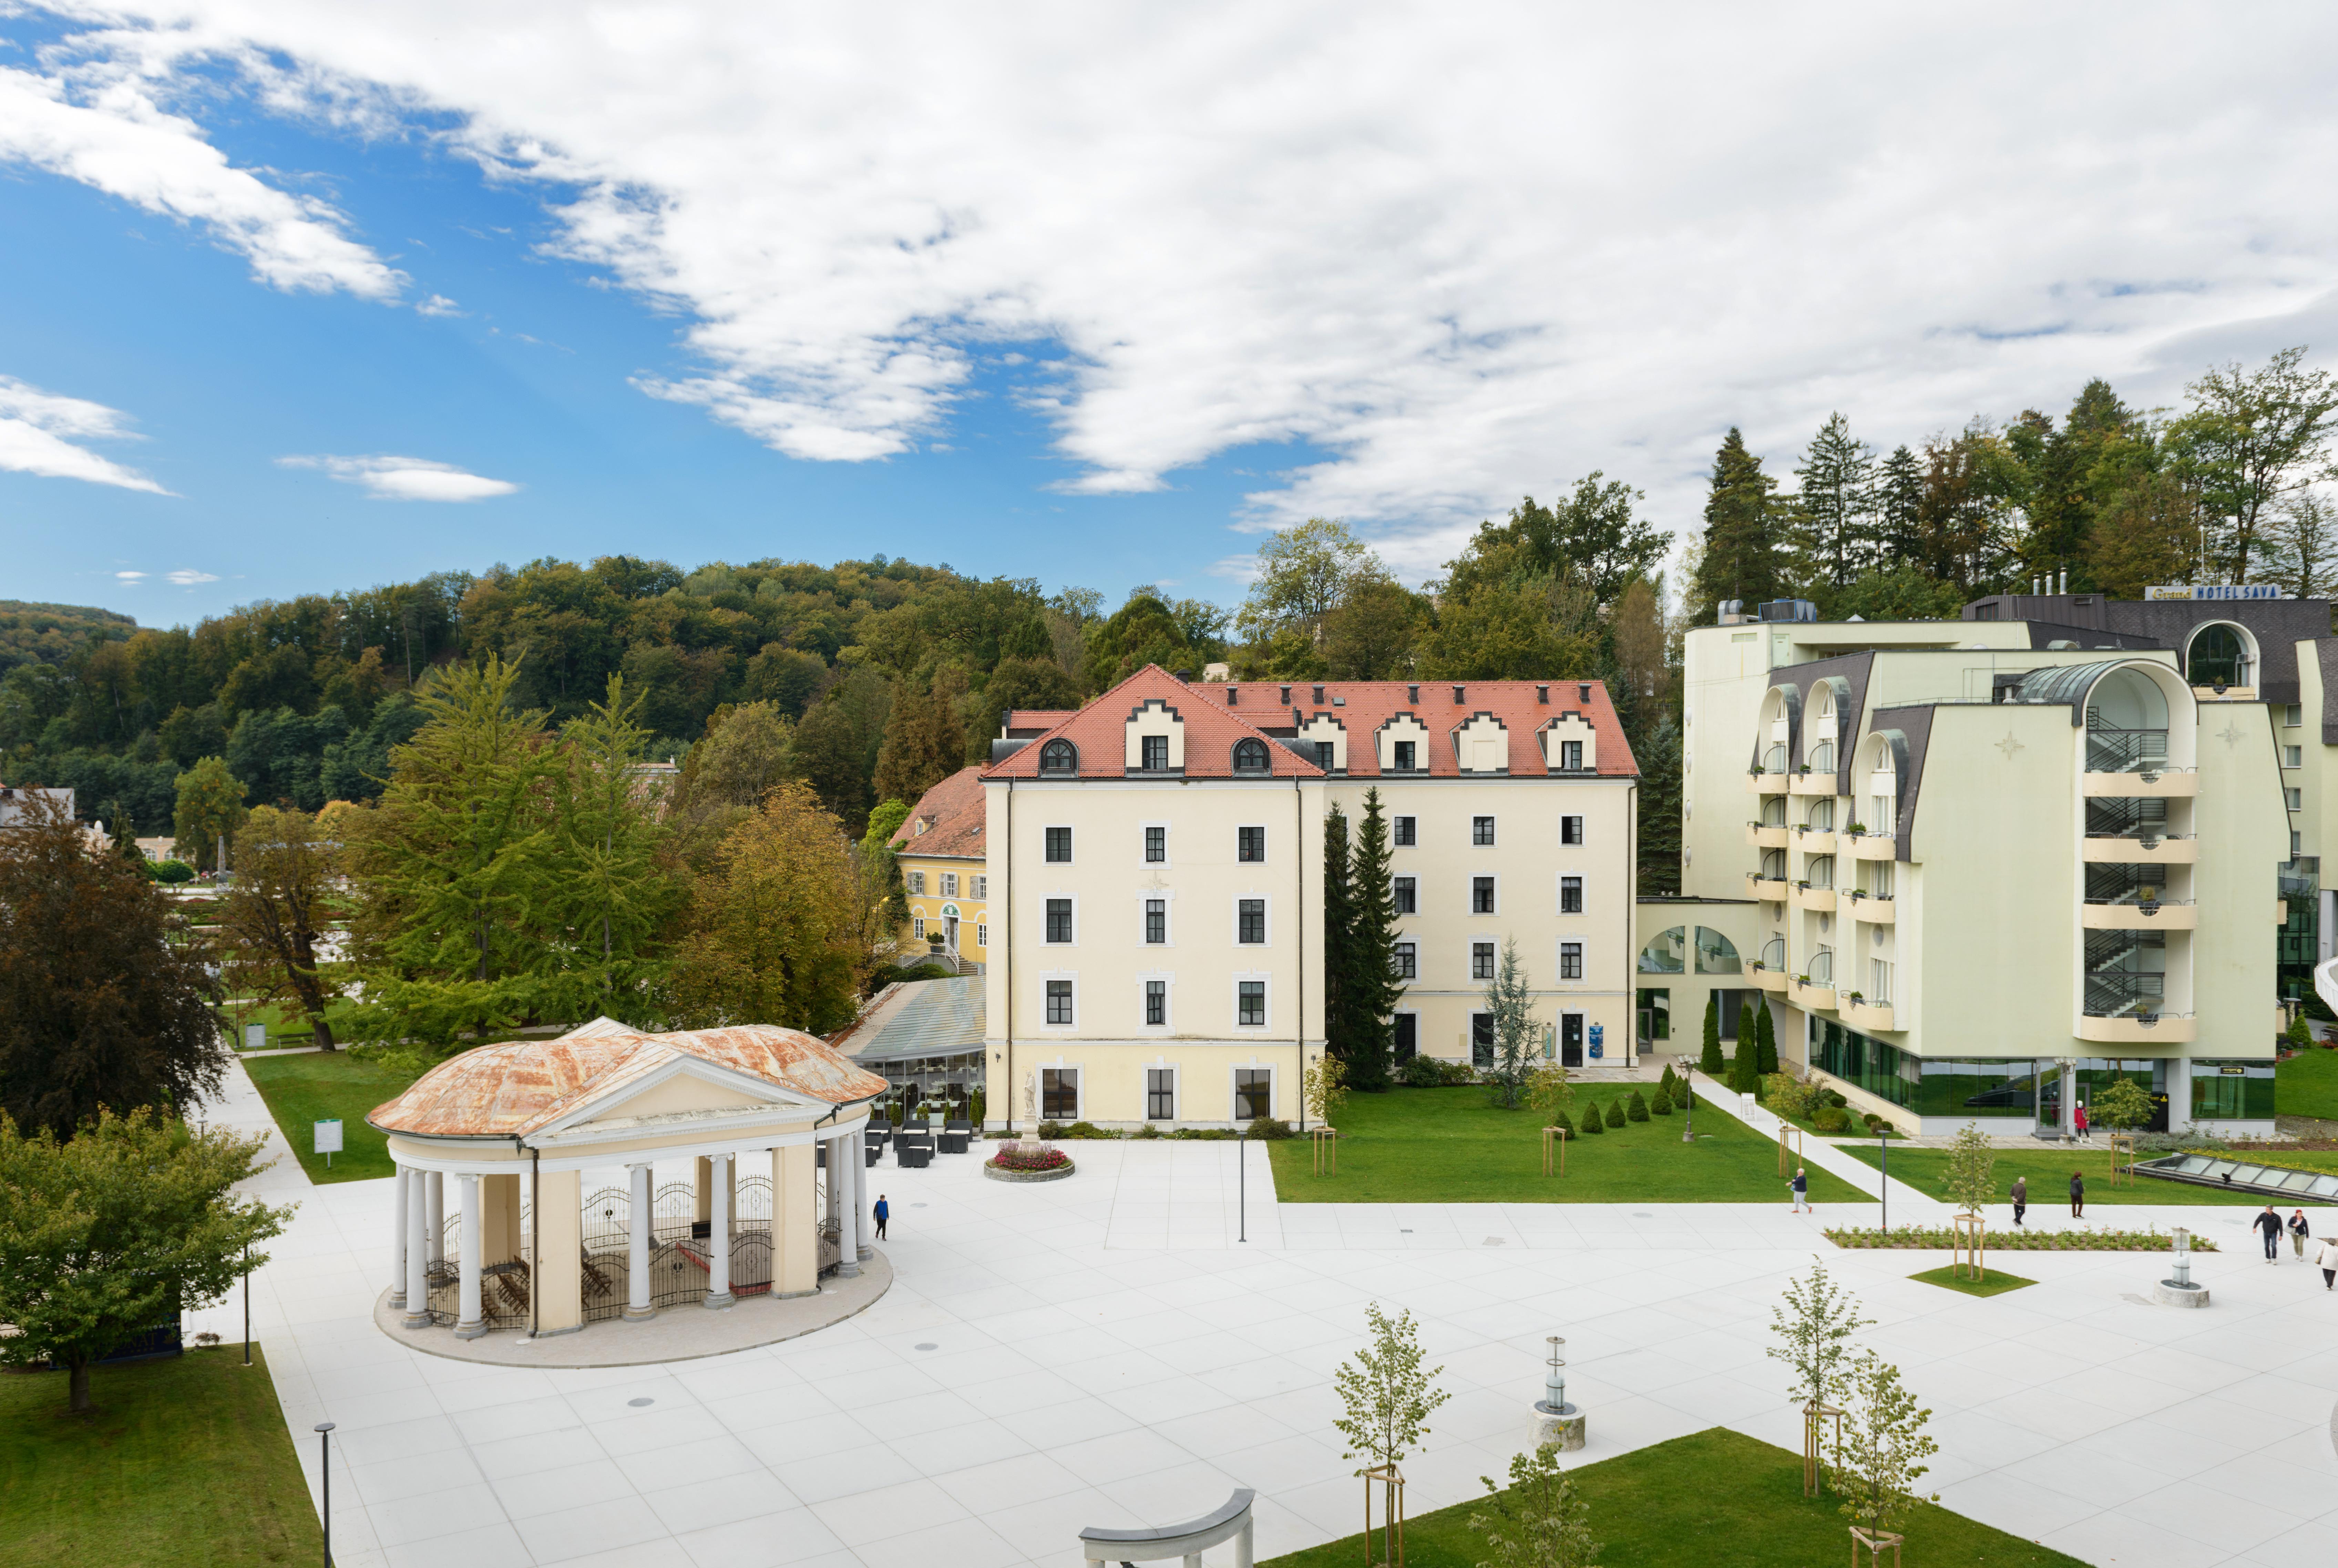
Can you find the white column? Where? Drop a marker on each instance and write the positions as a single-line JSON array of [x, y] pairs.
[[417, 1283], [468, 1324], [844, 1158], [868, 1227], [434, 1184], [2179, 1090], [397, 1243], [718, 1236], [831, 1186], [637, 1250], [2069, 1070]]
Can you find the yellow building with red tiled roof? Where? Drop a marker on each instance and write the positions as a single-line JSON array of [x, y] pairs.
[[940, 851]]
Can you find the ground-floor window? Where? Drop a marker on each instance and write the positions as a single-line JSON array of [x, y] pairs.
[[1481, 1039], [1254, 1093], [918, 928], [2232, 1091], [1059, 1001], [1059, 1094], [1161, 1095], [1958, 1086], [1407, 1037], [981, 936]]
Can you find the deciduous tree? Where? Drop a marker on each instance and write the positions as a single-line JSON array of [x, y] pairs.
[[210, 808], [1541, 1521], [2251, 439], [1386, 1397], [1880, 1442], [276, 916]]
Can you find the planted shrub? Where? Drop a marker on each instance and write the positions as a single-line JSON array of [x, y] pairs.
[[1591, 1127], [1086, 1130], [1662, 1105], [1051, 1130], [1147, 1131], [1638, 1109], [1830, 1118], [1669, 1085], [1834, 1097], [1421, 1072], [1270, 1127], [1615, 1113], [1012, 1158]]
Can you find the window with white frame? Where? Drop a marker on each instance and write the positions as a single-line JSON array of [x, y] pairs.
[[2292, 756], [1481, 896], [1254, 1093], [2296, 798], [1059, 1094], [949, 884], [1059, 920], [981, 934], [1156, 1003], [1570, 895], [1250, 1004], [2292, 715], [1880, 812], [1570, 829], [1570, 755], [1249, 844], [1570, 960], [1161, 1093], [1407, 827], [1406, 964], [918, 928], [1250, 922], [1407, 895], [981, 887], [1481, 831], [1059, 1004], [1153, 753], [1059, 846], [1156, 922], [1481, 960], [1880, 875], [1157, 845], [916, 882], [1879, 981]]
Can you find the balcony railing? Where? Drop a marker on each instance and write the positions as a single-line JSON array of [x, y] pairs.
[[2125, 994], [1822, 966], [1774, 953], [2126, 751], [2146, 837], [1774, 760]]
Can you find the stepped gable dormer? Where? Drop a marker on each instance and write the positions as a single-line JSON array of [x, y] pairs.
[[1570, 729], [1481, 744], [1190, 735]]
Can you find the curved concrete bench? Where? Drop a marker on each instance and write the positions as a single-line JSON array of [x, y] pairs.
[[1188, 1541]]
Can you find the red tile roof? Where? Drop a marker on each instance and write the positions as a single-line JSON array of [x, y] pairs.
[[1100, 732], [1369, 704], [1031, 721], [952, 812]]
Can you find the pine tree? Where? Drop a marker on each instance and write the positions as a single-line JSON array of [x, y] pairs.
[[1709, 1061], [1898, 510], [1659, 850], [1339, 940], [1743, 558], [1838, 477], [1376, 987]]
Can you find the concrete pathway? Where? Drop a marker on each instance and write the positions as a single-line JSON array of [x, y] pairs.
[[1106, 1351]]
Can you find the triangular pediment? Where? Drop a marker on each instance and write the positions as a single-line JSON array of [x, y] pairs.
[[678, 1088]]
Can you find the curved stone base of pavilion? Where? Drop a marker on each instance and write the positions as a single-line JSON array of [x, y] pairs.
[[675, 1334]]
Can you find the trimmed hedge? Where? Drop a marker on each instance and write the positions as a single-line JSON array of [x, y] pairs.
[[2011, 1240]]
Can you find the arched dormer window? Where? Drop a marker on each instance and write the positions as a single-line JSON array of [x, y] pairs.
[[1250, 756], [2220, 655], [1059, 757]]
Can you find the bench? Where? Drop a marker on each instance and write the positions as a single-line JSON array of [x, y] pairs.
[[1230, 1521]]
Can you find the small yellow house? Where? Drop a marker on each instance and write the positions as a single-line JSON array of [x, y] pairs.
[[941, 853]]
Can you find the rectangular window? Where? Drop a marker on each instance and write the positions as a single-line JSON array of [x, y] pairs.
[[949, 884], [1153, 752], [1481, 830], [1570, 829], [1059, 919], [1570, 895], [1059, 1001], [981, 934], [1249, 844], [1254, 1093], [2292, 715], [1481, 1039], [1059, 846], [1570, 960], [916, 882], [1405, 831], [1403, 749], [1406, 962], [1880, 814], [1156, 1003], [918, 928], [1481, 960], [1059, 1094], [1156, 921], [1156, 845], [1879, 878], [2292, 756], [1161, 1095], [2296, 798], [1408, 901], [1323, 753], [2296, 844], [1481, 895], [1879, 981], [1250, 1004], [1570, 755], [1250, 921], [981, 887]]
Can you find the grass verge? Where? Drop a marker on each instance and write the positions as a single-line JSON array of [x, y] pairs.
[[185, 1464], [1990, 1283], [1449, 1146], [2048, 1171], [1713, 1498], [303, 1089], [2307, 1085]]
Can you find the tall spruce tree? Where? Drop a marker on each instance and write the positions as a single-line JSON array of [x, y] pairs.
[[1377, 988], [1659, 756], [1339, 940], [1765, 1040], [1744, 555], [617, 895], [1708, 1061], [1898, 510], [1838, 479]]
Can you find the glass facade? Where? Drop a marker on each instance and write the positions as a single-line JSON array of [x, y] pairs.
[[1927, 1085], [2299, 941], [2232, 1091]]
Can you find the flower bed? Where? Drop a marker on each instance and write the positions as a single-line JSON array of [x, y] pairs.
[[1012, 1158], [2012, 1240]]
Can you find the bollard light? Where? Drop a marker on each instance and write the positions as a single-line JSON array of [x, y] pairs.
[[1554, 1381], [2183, 1258]]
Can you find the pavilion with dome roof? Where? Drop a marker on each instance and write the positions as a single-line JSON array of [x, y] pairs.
[[773, 1119]]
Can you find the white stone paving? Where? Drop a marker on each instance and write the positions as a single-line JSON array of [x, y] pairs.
[[1105, 1352]]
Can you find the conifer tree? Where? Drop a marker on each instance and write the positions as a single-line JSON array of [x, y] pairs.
[[1378, 988], [1339, 940], [616, 897], [1766, 1040], [1838, 476], [1743, 559], [1708, 1062], [1898, 510], [1659, 849]]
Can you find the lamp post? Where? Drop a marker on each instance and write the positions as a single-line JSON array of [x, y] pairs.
[[247, 1303], [1883, 1158], [1688, 1106], [325, 1460], [1241, 1184]]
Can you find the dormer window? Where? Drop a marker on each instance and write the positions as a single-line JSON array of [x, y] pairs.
[[1583, 693], [1153, 753], [1250, 756], [1059, 757]]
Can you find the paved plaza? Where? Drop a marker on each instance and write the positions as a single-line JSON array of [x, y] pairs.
[[1104, 1351]]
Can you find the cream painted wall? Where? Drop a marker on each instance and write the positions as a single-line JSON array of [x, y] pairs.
[[2245, 839]]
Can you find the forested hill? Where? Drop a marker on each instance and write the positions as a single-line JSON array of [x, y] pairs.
[[54, 634]]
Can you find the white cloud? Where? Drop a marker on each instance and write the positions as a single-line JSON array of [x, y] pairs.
[[38, 431], [406, 478], [102, 124], [130, 576], [187, 577], [438, 305], [1456, 253]]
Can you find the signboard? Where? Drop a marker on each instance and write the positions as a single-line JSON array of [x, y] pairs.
[[1599, 1040], [328, 1140], [2215, 591], [255, 1036]]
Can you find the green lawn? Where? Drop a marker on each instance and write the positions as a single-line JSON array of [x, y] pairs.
[[303, 1089], [1716, 1497], [1990, 1283], [2307, 1085], [185, 1464], [1449, 1146], [283, 1029], [2048, 1171]]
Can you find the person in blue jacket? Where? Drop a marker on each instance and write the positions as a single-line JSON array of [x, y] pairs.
[[883, 1211]]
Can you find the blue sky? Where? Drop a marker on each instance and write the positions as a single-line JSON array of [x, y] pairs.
[[1089, 296]]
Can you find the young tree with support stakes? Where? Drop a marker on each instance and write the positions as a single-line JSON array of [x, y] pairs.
[[2122, 1106], [1389, 1399], [1814, 1327], [1541, 1521], [1972, 1187], [1877, 1447]]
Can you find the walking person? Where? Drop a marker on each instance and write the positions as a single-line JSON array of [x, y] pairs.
[[2020, 1198], [2077, 1196], [882, 1212], [2326, 1259], [2298, 1234], [2268, 1225], [2079, 1116], [1802, 1191]]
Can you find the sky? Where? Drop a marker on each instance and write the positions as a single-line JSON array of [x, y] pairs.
[[307, 295]]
